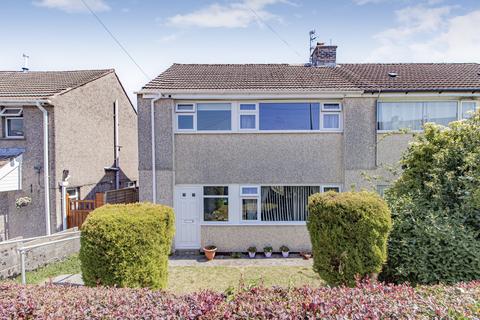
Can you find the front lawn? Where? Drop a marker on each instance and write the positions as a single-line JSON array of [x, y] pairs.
[[184, 279]]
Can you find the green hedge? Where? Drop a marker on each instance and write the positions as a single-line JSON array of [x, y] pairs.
[[127, 245], [349, 234]]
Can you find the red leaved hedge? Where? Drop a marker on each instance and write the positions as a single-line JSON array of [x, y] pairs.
[[366, 300]]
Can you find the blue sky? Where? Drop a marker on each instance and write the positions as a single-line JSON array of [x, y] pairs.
[[63, 35]]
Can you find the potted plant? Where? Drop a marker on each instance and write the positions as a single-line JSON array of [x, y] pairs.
[[252, 251], [285, 251], [268, 251], [306, 255], [210, 252]]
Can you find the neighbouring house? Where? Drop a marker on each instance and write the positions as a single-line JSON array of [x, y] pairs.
[[238, 148], [62, 132]]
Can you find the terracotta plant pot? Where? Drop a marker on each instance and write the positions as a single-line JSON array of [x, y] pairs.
[[210, 252]]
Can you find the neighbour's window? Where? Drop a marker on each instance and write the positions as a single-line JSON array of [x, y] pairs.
[[468, 109], [214, 116], [413, 115], [215, 203], [12, 119], [289, 116], [73, 193], [248, 116], [440, 112]]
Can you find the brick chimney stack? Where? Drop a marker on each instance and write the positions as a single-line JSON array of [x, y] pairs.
[[324, 56]]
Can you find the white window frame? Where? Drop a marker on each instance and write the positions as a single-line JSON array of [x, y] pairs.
[[194, 107], [248, 113], [229, 218], [7, 127], [194, 115], [340, 109], [236, 113], [18, 114], [340, 121], [460, 107]]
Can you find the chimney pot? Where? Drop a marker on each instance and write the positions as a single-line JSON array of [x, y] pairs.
[[324, 56]]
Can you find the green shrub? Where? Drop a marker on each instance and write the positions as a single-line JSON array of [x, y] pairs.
[[435, 207], [127, 245], [431, 248], [349, 234]]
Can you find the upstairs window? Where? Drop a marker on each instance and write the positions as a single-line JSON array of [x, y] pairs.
[[214, 116], [289, 116], [248, 116], [12, 119], [331, 116]]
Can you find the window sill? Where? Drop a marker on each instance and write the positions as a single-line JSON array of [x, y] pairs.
[[262, 132], [254, 224], [12, 138]]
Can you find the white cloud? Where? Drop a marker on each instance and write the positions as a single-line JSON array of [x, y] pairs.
[[430, 34], [234, 15], [71, 6], [363, 2]]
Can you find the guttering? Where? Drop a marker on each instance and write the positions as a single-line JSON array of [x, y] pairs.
[[46, 176], [154, 167], [252, 94]]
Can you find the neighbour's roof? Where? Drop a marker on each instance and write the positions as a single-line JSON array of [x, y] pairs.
[[44, 84], [344, 77]]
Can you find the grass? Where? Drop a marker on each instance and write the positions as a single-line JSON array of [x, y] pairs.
[[189, 279], [68, 266]]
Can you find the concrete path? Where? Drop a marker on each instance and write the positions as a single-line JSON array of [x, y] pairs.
[[200, 261]]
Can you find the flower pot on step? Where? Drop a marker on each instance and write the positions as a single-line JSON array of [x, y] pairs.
[[252, 254]]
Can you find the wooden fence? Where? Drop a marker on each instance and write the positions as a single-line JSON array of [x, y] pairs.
[[78, 210]]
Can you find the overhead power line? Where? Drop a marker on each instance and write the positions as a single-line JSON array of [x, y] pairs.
[[116, 40], [273, 31]]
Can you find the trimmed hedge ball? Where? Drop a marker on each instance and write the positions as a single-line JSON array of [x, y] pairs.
[[349, 233], [127, 245]]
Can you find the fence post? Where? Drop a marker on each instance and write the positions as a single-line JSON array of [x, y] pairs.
[[99, 199], [22, 266], [68, 213]]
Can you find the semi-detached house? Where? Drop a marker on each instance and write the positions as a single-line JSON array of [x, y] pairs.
[[237, 149]]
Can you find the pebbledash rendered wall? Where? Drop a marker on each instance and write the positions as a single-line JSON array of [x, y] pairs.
[[29, 221], [262, 158]]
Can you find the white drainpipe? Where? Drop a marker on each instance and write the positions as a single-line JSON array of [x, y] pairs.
[[46, 167], [154, 167]]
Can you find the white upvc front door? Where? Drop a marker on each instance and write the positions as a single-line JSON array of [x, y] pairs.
[[187, 211]]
